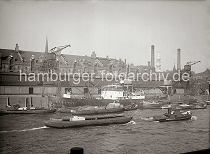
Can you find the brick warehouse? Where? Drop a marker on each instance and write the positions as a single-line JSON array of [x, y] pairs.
[[36, 93]]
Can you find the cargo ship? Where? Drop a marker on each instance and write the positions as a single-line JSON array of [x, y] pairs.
[[124, 94]]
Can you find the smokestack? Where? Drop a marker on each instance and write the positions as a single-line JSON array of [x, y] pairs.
[[152, 56], [178, 59], [46, 46]]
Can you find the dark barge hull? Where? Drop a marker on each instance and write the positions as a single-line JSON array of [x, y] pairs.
[[27, 111], [94, 111], [83, 123], [75, 102]]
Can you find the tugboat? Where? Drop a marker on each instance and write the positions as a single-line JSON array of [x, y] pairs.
[[173, 115]]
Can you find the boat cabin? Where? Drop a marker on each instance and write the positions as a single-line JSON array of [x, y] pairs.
[[112, 92], [118, 91]]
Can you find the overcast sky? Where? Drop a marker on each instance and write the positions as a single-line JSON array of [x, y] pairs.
[[118, 29]]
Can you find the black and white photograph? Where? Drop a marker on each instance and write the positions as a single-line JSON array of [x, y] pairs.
[[104, 76]]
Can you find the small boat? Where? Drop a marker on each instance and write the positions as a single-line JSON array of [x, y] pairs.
[[173, 115], [168, 106], [151, 105], [34, 111], [92, 111], [208, 102], [97, 111], [192, 106], [184, 106], [130, 107], [199, 106], [76, 121]]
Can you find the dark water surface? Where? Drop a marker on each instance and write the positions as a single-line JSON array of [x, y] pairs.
[[17, 135]]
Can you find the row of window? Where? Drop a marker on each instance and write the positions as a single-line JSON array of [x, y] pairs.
[[6, 67], [86, 91], [67, 90]]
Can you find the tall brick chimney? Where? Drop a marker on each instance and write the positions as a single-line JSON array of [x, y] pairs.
[[152, 56], [178, 59], [46, 46]]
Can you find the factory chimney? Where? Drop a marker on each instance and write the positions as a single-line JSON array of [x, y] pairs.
[[46, 46], [152, 56], [178, 59]]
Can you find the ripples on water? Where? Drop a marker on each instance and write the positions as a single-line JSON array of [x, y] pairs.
[[27, 134]]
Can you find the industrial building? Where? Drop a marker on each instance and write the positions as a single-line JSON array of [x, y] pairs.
[[13, 90]]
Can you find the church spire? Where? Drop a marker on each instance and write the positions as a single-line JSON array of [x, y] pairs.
[[174, 68]]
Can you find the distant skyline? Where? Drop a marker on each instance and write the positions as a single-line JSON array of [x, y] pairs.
[[118, 29]]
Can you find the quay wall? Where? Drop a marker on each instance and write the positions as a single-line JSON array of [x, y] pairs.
[[24, 101], [40, 90]]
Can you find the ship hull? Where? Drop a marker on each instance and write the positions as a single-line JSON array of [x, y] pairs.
[[83, 123], [74, 102]]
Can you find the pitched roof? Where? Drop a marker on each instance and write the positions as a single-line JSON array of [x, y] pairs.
[[206, 74], [70, 59], [5, 53]]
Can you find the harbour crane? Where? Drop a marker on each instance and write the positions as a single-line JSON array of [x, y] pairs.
[[187, 69], [59, 57], [193, 63], [53, 58], [188, 65], [57, 52]]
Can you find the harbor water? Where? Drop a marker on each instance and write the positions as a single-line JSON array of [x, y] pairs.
[[27, 134]]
